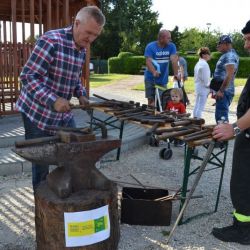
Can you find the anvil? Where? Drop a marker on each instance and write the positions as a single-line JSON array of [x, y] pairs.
[[75, 163]]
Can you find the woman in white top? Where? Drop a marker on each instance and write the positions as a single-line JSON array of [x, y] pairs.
[[202, 81]]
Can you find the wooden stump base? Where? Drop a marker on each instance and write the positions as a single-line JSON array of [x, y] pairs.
[[49, 216]]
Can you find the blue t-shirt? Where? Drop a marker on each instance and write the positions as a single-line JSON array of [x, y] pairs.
[[230, 57], [162, 57]]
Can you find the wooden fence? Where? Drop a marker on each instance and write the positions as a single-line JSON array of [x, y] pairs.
[[12, 59], [49, 14]]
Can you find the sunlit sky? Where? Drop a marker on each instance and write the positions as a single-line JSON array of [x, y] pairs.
[[224, 15]]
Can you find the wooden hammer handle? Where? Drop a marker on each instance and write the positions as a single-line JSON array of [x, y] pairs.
[[181, 123], [198, 136], [174, 134], [200, 142]]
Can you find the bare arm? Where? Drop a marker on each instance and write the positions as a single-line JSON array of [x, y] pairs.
[[151, 68], [229, 76]]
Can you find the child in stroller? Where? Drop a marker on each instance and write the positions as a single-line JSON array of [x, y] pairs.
[[172, 100]]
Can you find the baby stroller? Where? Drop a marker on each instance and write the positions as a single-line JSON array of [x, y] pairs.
[[166, 152]]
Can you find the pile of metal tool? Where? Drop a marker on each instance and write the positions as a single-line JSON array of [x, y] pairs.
[[166, 125]]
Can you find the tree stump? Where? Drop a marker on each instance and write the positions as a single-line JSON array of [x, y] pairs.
[[49, 216]]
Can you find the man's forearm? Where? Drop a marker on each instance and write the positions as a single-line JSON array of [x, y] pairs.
[[225, 83], [150, 66], [229, 76]]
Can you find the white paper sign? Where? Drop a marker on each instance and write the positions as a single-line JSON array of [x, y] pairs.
[[86, 228]]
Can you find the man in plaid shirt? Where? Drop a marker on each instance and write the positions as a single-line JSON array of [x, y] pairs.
[[51, 76]]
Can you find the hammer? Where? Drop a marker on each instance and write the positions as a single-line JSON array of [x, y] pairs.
[[188, 122]]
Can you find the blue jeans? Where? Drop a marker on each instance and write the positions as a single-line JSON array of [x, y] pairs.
[[222, 107], [39, 172]]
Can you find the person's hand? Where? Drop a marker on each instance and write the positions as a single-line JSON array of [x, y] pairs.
[[219, 95], [177, 78], [156, 74], [223, 132], [61, 105], [83, 100]]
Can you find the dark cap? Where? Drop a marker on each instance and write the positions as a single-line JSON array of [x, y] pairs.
[[246, 29], [225, 39]]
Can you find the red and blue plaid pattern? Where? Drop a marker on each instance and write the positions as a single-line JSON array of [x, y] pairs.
[[53, 70]]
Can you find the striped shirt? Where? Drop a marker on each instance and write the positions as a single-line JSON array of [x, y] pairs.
[[53, 70]]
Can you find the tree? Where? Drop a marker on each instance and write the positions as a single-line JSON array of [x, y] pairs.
[[140, 26], [238, 44], [192, 40], [109, 42], [130, 26], [176, 37]]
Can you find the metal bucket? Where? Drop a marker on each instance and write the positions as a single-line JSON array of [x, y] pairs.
[[143, 207]]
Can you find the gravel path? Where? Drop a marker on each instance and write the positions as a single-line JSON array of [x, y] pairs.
[[17, 229]]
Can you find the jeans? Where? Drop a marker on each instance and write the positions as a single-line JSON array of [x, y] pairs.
[[39, 172], [222, 107]]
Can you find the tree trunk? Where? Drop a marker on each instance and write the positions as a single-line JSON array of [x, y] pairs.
[[49, 216]]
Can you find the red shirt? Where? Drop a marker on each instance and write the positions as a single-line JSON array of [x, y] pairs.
[[177, 107]]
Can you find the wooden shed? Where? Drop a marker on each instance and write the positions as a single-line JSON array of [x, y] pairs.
[[20, 23]]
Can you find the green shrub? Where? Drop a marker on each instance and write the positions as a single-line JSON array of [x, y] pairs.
[[133, 65], [215, 55], [128, 63], [191, 61], [123, 55], [243, 70], [114, 65]]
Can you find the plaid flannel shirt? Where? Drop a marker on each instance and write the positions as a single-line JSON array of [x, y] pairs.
[[53, 70]]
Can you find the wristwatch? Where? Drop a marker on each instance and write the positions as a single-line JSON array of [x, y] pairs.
[[236, 129]]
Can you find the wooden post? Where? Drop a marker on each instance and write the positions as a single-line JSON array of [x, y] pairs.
[[66, 19], [40, 11], [48, 14], [85, 78], [32, 20], [49, 216]]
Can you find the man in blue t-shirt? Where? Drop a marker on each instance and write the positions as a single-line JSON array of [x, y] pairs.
[[226, 69], [158, 54]]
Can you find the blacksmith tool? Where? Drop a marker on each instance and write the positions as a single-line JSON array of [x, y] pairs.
[[66, 136], [75, 163], [198, 135], [138, 181], [188, 121], [167, 135], [196, 181]]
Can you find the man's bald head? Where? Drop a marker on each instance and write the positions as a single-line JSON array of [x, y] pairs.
[[164, 37]]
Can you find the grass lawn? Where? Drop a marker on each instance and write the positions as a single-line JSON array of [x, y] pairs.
[[97, 80], [189, 84]]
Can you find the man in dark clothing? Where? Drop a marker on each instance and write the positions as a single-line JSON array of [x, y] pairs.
[[240, 180]]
